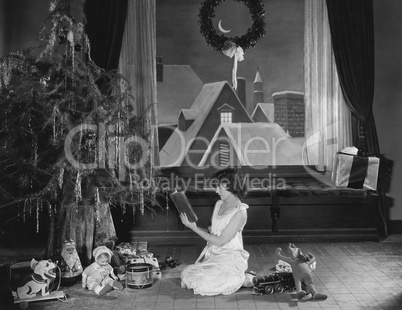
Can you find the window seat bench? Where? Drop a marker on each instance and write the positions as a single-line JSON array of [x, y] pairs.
[[302, 207]]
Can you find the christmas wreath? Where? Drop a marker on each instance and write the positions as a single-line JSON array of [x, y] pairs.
[[218, 41]]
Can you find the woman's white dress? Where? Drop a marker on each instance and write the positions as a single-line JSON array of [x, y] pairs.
[[219, 269]]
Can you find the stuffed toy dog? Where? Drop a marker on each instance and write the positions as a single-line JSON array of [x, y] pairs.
[[38, 283], [301, 271]]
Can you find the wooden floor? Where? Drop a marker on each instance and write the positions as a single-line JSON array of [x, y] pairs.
[[354, 275]]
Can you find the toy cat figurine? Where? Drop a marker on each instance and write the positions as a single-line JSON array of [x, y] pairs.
[[301, 271]]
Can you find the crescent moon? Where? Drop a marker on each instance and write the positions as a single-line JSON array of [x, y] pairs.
[[221, 28]]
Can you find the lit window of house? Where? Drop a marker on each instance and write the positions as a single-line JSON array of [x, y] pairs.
[[226, 117]]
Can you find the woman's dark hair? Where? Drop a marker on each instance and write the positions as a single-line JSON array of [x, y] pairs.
[[234, 180]]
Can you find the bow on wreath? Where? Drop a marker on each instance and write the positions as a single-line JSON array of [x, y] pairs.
[[230, 49], [232, 46]]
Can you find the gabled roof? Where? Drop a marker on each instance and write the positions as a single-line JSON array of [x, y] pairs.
[[174, 150], [268, 109], [271, 143], [188, 114]]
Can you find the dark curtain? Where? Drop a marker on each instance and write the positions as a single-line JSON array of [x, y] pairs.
[[351, 25], [105, 20], [352, 34]]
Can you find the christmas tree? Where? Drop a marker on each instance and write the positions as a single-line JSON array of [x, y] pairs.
[[69, 142]]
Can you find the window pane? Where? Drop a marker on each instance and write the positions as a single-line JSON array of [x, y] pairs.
[[226, 117]]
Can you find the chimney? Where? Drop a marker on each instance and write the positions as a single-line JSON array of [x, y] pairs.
[[159, 69], [241, 90], [290, 112]]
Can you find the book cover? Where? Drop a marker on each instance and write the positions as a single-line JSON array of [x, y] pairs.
[[182, 204]]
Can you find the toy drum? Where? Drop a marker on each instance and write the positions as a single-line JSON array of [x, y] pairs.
[[139, 276]]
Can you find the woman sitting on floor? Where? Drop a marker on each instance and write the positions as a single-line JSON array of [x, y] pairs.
[[221, 267]]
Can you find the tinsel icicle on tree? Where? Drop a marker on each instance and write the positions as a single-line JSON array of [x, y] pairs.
[[65, 124]]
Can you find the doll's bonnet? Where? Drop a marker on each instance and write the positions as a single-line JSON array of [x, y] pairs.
[[100, 250]]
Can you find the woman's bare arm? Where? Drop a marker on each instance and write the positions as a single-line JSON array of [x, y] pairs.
[[235, 224]]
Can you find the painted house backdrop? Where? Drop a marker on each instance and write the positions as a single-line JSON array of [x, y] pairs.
[[273, 67], [278, 57]]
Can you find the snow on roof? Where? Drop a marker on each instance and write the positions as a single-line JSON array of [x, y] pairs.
[[259, 144], [175, 149], [288, 93], [189, 114], [268, 109]]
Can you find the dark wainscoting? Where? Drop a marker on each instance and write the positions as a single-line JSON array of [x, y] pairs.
[[287, 204]]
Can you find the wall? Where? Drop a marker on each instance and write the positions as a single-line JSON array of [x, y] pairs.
[[388, 93]]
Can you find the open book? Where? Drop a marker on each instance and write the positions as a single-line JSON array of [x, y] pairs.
[[183, 205]]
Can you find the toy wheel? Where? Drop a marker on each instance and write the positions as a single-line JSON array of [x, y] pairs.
[[279, 288], [258, 291], [24, 305], [269, 290]]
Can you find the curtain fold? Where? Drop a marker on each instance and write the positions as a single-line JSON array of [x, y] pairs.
[[352, 33], [105, 21], [138, 65], [328, 119]]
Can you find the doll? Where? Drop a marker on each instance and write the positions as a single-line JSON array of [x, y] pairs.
[[99, 276], [301, 271]]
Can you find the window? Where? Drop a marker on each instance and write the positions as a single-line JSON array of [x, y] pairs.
[[224, 154], [226, 117], [280, 70]]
